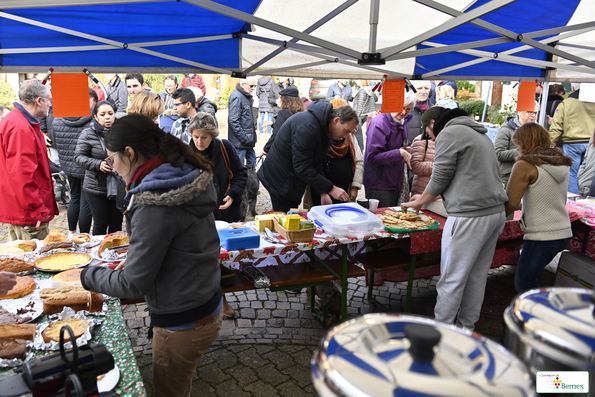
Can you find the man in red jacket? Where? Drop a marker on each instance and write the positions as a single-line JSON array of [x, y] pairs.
[[27, 202]]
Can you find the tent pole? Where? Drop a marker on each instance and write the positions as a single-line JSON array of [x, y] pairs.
[[374, 11], [544, 94], [485, 104]]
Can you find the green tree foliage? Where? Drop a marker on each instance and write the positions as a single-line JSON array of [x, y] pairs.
[[465, 85], [156, 81], [7, 94], [474, 108]]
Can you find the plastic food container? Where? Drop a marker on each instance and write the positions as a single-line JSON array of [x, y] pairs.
[[399, 355], [342, 220], [553, 329], [239, 239]]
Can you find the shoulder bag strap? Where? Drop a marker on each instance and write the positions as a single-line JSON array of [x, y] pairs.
[[101, 141], [227, 165]]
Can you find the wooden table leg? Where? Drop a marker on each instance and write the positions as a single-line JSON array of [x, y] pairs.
[[410, 284]]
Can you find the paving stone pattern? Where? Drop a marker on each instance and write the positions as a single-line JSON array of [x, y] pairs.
[[265, 350]]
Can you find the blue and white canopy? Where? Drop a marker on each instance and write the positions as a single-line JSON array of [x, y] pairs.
[[422, 39]]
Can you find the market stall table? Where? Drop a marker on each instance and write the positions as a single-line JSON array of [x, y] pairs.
[[112, 333]]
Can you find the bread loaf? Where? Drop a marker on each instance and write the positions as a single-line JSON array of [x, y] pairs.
[[47, 292], [54, 237], [53, 246], [77, 301], [11, 349], [52, 332], [114, 240], [69, 276], [14, 265], [17, 331]]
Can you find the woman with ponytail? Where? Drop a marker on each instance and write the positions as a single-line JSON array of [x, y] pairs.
[[173, 260]]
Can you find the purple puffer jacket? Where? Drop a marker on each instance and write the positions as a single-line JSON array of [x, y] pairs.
[[383, 164]]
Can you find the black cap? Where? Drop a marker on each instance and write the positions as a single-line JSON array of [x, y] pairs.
[[290, 91], [445, 117]]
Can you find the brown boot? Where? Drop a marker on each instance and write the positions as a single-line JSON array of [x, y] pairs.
[[227, 309]]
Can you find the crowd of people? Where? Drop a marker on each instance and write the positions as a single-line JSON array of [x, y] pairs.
[[159, 161]]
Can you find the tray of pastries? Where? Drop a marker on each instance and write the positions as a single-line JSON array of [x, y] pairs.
[[403, 222]]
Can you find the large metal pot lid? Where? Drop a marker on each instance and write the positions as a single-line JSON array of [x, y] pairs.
[[560, 319], [399, 355]]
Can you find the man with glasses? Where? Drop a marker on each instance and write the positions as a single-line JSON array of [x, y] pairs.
[[27, 202], [506, 150], [573, 123], [300, 147], [240, 121], [184, 105], [170, 85]]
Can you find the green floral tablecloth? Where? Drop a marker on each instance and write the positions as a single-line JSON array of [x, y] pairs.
[[112, 333]]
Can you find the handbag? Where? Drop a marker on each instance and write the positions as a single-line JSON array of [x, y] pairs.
[[227, 165]]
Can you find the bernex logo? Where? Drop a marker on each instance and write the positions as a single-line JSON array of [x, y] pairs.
[[562, 382]]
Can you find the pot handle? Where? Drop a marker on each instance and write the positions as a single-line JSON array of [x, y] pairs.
[[423, 338]]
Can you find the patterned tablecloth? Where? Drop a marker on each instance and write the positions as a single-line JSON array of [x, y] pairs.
[[112, 333], [586, 216]]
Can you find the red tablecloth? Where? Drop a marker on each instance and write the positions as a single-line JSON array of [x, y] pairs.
[[424, 242]]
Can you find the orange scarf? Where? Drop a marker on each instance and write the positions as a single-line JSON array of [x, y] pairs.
[[339, 151]]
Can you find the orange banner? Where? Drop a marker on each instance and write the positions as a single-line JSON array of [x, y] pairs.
[[526, 98], [393, 96], [70, 95]]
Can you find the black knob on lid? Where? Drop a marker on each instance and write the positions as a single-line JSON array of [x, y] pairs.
[[423, 338]]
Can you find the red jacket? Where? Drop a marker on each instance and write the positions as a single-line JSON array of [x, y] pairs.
[[27, 192], [195, 81]]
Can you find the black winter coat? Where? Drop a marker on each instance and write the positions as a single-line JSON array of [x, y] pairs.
[[297, 155], [66, 131], [414, 126], [240, 120], [89, 154], [221, 178], [207, 106], [282, 117]]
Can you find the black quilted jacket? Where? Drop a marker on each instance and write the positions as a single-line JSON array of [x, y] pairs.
[[66, 132]]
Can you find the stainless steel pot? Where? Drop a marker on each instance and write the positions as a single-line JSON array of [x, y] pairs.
[[398, 355], [553, 329]]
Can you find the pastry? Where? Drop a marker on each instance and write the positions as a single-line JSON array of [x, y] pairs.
[[17, 331], [62, 261], [53, 246], [81, 238], [15, 265], [11, 349], [27, 246], [69, 276], [77, 301], [52, 332], [25, 286], [7, 317], [54, 237], [47, 292], [114, 240]]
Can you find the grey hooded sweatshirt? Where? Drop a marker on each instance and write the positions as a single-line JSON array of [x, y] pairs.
[[466, 172]]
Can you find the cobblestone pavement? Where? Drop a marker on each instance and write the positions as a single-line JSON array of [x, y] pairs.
[[265, 350]]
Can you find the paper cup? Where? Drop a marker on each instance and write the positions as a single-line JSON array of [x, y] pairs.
[[363, 202], [373, 204]]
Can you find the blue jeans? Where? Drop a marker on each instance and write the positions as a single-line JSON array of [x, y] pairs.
[[261, 119], [248, 155], [576, 151], [535, 256]]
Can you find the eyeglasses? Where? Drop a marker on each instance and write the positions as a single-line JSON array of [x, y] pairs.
[[250, 85], [179, 103], [109, 160], [531, 113]]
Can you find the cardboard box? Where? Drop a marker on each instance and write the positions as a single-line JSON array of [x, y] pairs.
[[264, 221], [575, 270]]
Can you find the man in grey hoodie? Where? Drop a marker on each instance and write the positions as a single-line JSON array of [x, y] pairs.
[[467, 176]]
